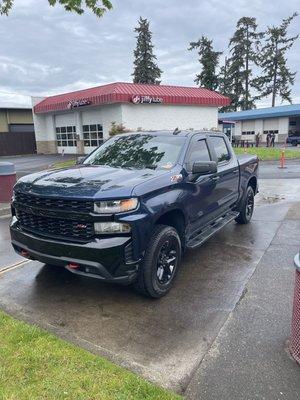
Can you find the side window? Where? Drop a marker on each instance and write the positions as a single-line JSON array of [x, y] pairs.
[[220, 148], [198, 151]]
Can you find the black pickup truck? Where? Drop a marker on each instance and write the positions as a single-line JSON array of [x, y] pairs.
[[133, 206]]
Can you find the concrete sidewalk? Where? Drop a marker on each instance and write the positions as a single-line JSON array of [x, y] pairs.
[[4, 209], [249, 359]]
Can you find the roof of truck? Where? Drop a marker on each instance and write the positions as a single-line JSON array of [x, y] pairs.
[[174, 133]]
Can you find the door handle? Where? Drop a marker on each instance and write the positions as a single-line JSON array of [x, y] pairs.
[[215, 178], [235, 171]]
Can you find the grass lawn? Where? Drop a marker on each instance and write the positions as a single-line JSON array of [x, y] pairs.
[[64, 164], [263, 153], [36, 365], [268, 153]]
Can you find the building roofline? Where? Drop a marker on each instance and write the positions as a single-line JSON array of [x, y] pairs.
[[262, 113], [14, 108], [125, 92]]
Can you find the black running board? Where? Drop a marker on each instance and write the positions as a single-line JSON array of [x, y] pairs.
[[211, 229]]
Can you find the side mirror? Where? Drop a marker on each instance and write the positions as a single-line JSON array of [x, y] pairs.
[[80, 160], [204, 167]]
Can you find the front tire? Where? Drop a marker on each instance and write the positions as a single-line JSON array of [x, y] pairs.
[[161, 263], [247, 207]]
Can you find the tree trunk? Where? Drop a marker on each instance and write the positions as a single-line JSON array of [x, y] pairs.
[[246, 107], [275, 77]]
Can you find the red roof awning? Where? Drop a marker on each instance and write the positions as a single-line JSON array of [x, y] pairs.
[[129, 92]]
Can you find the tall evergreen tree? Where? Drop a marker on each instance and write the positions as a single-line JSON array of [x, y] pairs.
[[243, 55], [145, 67], [225, 85], [276, 78], [209, 60]]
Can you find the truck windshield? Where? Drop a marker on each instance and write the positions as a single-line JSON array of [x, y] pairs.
[[138, 151]]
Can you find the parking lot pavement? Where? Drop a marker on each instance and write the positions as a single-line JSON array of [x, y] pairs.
[[165, 340], [7, 256], [36, 162], [249, 359], [271, 170]]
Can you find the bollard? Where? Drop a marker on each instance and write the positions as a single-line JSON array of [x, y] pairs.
[[295, 334], [7, 181], [282, 159]]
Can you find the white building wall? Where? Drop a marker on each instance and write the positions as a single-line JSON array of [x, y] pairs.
[[68, 119], [38, 120], [104, 115], [283, 126], [160, 117], [248, 126], [260, 125], [270, 124], [145, 116], [238, 128]]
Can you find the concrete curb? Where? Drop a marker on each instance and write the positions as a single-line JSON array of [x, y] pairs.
[[4, 209]]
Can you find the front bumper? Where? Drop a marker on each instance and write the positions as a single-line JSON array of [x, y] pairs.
[[108, 259]]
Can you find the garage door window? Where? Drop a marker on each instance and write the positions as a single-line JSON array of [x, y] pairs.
[[66, 136], [93, 135]]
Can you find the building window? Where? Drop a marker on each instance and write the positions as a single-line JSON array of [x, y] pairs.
[[271, 132], [93, 135], [248, 133], [66, 136]]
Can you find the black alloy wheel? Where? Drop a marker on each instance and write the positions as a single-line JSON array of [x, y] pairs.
[[161, 262], [247, 207]]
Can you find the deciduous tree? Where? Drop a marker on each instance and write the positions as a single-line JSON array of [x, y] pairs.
[[98, 7]]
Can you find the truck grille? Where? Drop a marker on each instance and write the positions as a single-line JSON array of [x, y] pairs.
[[53, 203], [65, 228]]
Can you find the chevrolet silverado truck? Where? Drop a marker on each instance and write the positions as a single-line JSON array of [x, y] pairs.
[[130, 209]]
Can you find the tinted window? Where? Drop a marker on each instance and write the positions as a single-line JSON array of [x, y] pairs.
[[138, 151], [220, 148], [198, 151]]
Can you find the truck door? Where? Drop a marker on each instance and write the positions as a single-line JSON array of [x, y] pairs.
[[227, 178], [201, 198]]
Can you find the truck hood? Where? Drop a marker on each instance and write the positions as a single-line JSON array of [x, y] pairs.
[[84, 181]]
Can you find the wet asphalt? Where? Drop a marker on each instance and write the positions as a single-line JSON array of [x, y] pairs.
[[164, 340], [29, 164]]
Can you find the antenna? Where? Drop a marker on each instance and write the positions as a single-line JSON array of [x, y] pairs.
[[176, 131]]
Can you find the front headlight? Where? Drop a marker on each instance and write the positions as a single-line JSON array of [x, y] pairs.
[[115, 206], [106, 228]]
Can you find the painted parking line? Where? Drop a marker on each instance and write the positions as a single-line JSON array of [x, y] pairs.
[[13, 266]]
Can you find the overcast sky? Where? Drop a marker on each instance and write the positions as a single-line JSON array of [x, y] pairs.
[[45, 50]]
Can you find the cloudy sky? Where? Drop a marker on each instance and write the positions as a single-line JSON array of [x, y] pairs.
[[45, 50]]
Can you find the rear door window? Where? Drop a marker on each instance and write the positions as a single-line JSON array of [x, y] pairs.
[[220, 148]]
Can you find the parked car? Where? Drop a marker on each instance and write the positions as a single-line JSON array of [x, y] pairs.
[[294, 140], [133, 206]]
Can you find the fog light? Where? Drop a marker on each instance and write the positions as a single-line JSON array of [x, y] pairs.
[[106, 228]]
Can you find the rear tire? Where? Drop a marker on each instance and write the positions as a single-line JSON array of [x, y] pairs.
[[161, 263], [247, 207]]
